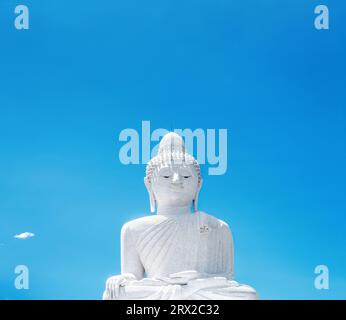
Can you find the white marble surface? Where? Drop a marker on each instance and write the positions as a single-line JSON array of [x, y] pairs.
[[185, 256], [169, 243], [175, 253]]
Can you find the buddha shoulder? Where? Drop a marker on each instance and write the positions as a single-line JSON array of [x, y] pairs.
[[139, 225], [212, 222]]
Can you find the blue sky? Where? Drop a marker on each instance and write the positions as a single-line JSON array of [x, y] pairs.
[[86, 70]]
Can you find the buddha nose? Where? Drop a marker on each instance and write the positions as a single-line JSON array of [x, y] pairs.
[[176, 178]]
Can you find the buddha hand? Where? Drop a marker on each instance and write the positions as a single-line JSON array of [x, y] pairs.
[[185, 276], [114, 283]]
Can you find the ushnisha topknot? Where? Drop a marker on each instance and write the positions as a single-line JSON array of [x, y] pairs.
[[171, 151]]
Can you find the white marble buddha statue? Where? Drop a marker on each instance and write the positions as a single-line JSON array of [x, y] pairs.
[[175, 253]]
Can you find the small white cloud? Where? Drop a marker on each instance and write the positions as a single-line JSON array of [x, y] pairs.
[[24, 235]]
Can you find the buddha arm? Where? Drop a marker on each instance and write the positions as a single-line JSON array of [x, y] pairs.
[[130, 261], [226, 231]]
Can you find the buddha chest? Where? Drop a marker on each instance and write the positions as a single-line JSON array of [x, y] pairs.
[[182, 242]]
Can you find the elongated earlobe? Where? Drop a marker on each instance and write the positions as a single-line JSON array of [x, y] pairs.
[[195, 203], [151, 195], [152, 203], [195, 200]]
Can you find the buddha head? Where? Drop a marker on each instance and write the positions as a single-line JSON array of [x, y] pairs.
[[173, 177]]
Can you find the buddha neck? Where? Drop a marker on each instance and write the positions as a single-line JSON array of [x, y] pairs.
[[176, 211]]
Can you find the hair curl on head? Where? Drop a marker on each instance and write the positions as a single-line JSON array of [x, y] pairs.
[[172, 151], [169, 158]]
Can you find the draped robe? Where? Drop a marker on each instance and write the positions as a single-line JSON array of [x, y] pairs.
[[184, 256]]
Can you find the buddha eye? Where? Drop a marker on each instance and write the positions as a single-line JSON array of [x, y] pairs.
[[166, 177], [186, 177]]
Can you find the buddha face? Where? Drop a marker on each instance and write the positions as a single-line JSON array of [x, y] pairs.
[[174, 185]]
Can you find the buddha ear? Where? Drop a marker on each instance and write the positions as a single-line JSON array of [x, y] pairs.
[[151, 195], [195, 200]]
